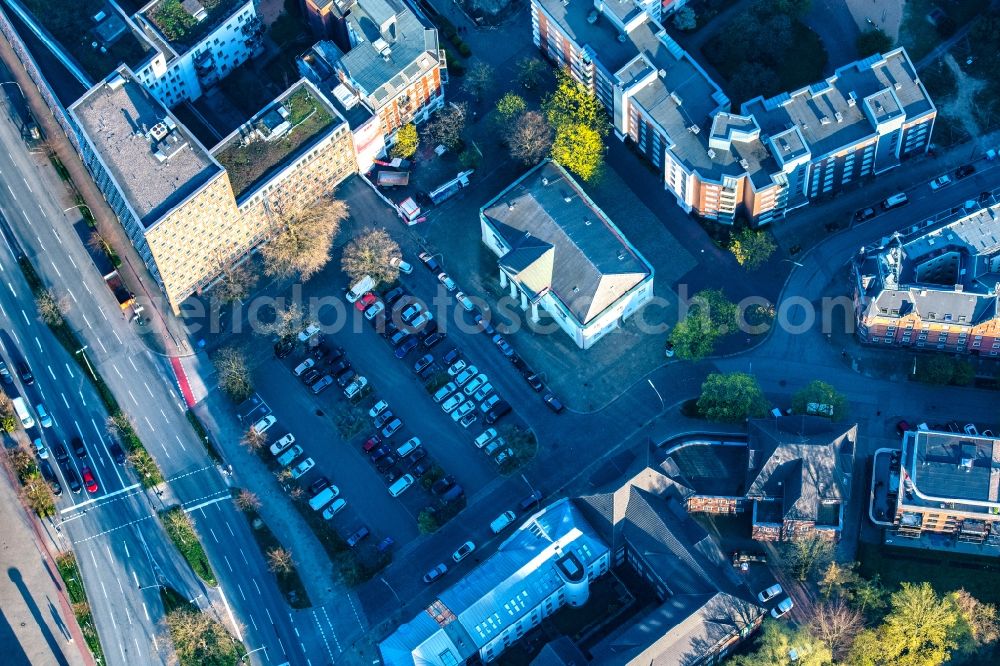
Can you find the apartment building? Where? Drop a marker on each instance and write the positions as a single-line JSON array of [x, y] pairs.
[[190, 210], [949, 488], [391, 62], [771, 157], [558, 252], [934, 290]]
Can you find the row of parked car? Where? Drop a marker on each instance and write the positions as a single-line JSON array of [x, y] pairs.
[[328, 365]]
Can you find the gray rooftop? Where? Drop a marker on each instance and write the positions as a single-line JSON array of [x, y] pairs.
[[397, 50], [153, 159], [952, 466], [562, 242], [601, 36], [318, 65]]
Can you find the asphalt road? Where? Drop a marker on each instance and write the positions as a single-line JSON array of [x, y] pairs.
[[32, 199]]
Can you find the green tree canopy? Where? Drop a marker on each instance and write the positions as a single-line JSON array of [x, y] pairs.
[[710, 315], [571, 103], [919, 630], [752, 248], [731, 397], [820, 393], [579, 148], [775, 642]]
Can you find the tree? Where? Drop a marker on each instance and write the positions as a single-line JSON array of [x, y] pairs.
[[234, 375], [917, 631], [37, 494], [530, 71], [199, 639], [407, 142], [302, 247], [805, 556], [253, 439], [287, 322], [248, 501], [869, 596], [731, 398], [572, 103], [279, 561], [427, 522], [940, 369], [447, 125], [709, 316], [839, 580], [142, 463], [978, 625], [235, 281], [835, 624], [790, 7], [478, 80], [510, 107], [8, 420], [370, 254], [871, 42], [579, 148], [752, 248], [820, 393], [754, 78], [51, 308], [531, 139], [776, 640], [685, 19]]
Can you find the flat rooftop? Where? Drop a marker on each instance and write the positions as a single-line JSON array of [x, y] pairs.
[[184, 22], [318, 64], [78, 25], [955, 466], [280, 132], [601, 35], [155, 161]]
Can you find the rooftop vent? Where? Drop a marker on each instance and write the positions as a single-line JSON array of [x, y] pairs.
[[744, 163], [567, 198], [100, 16], [711, 153], [966, 463], [587, 221], [674, 96], [545, 180], [576, 289], [662, 73], [839, 116], [694, 129], [621, 36], [852, 98], [621, 255], [898, 86], [825, 120], [511, 205], [591, 17]]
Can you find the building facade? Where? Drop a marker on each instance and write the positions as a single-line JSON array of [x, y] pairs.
[[949, 489], [188, 210], [771, 157], [559, 252], [933, 290]]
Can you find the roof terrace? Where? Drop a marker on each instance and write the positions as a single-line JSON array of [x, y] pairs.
[[185, 22], [956, 469]]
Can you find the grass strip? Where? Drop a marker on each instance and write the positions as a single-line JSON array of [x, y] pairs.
[[202, 433], [289, 582], [70, 573], [180, 529]]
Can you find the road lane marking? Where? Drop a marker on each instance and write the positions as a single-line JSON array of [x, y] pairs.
[[72, 295], [133, 364], [103, 497], [146, 611], [57, 271], [116, 334], [202, 469], [240, 588], [26, 320], [103, 589], [69, 370], [280, 644], [224, 496], [82, 399], [136, 578], [213, 535], [50, 371], [148, 390], [244, 556], [149, 423], [226, 558], [111, 557], [254, 581], [253, 622], [65, 400], [101, 310], [105, 349], [322, 635], [87, 287], [117, 371], [236, 627], [74, 265], [86, 321], [128, 616], [39, 343], [11, 287], [269, 618], [166, 418], [40, 243], [131, 395], [113, 529], [177, 437], [15, 197], [350, 599], [294, 628], [229, 527], [28, 184]]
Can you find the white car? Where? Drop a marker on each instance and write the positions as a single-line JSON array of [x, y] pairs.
[[483, 392], [43, 415], [783, 607], [444, 391], [483, 438], [502, 521], [303, 467], [456, 367], [379, 407], [462, 410], [403, 267], [448, 283], [463, 377], [474, 385], [303, 366], [291, 454], [334, 508], [489, 403], [40, 449], [408, 447], [464, 301], [941, 181], [374, 310], [410, 311], [452, 402], [421, 319], [494, 446], [463, 551], [261, 426], [769, 593], [308, 332], [355, 387], [282, 444]]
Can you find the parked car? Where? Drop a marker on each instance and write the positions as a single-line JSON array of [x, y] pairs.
[[401, 485], [483, 392], [442, 485], [500, 410], [970, 429], [24, 372], [444, 391], [403, 266], [485, 437], [423, 362], [432, 339], [409, 446], [356, 538], [502, 521], [503, 345], [308, 332], [382, 418], [484, 324], [310, 376], [489, 403], [964, 171], [864, 214], [304, 466], [371, 443], [340, 367], [378, 408], [355, 387], [323, 495], [406, 346], [504, 456], [391, 427], [766, 595], [336, 507], [78, 448], [465, 301], [265, 423], [346, 377], [386, 464], [451, 357], [453, 494], [429, 262], [456, 367], [393, 295], [941, 181], [419, 454], [783, 607], [291, 454], [552, 402], [41, 449], [475, 383], [282, 444], [453, 402], [89, 482], [422, 319], [374, 310], [284, 347], [367, 300], [463, 551], [494, 446], [448, 283], [408, 313], [303, 366], [5, 375], [462, 410], [59, 451], [379, 453], [464, 376], [322, 384], [72, 480], [397, 337], [534, 381], [435, 573]]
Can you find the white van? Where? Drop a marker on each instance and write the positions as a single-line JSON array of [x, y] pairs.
[[323, 497], [363, 286], [895, 201], [401, 484], [21, 408]]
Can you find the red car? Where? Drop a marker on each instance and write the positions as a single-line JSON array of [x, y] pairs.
[[88, 479], [372, 443], [365, 301]]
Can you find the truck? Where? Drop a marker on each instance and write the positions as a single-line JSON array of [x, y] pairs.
[[393, 178], [21, 409], [125, 298]]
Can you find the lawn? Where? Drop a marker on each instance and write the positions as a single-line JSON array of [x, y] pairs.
[[180, 529], [944, 571], [180, 27], [920, 37]]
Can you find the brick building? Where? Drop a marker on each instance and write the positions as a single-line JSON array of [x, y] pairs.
[[933, 290], [190, 210], [775, 154]]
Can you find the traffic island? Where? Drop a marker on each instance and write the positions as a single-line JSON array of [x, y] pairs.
[[70, 574], [198, 638], [180, 529]]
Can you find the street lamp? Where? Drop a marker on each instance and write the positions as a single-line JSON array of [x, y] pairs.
[[794, 262], [382, 578], [82, 350], [663, 405], [80, 206], [246, 658]]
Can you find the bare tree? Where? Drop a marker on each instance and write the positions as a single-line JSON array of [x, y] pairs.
[[51, 308], [234, 375], [287, 322], [447, 125], [118, 423], [279, 561], [302, 247], [478, 80], [836, 624], [96, 242], [199, 638], [247, 501], [531, 139], [235, 281], [254, 440], [20, 459], [370, 254]]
